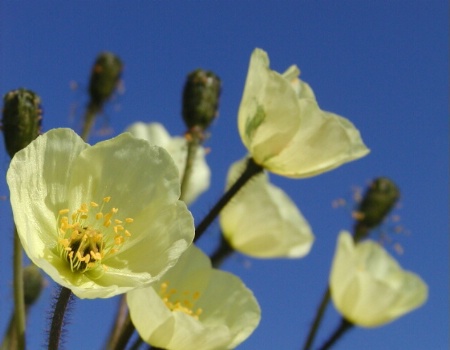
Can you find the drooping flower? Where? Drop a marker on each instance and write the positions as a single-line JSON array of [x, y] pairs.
[[262, 221], [368, 287], [100, 220], [156, 134], [194, 307], [284, 129]]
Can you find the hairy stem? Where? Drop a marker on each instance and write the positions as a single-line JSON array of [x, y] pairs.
[[19, 301], [223, 251], [89, 117], [251, 170], [116, 329], [317, 320], [127, 332], [194, 139], [343, 327], [58, 318]]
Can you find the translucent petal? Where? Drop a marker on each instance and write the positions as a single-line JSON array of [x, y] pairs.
[[38, 179], [284, 129], [262, 221], [268, 115], [138, 177], [156, 134], [368, 286], [228, 311], [323, 142], [63, 173]]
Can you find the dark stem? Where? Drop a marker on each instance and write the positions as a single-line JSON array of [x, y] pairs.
[[58, 318], [317, 320], [136, 344], [223, 251], [117, 327], [343, 327], [251, 170], [127, 332]]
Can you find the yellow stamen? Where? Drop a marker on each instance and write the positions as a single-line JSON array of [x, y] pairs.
[[87, 237]]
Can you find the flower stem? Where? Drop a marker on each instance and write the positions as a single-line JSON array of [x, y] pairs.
[[58, 318], [343, 327], [117, 328], [223, 251], [127, 332], [19, 301], [91, 111], [194, 138], [317, 320], [251, 170]]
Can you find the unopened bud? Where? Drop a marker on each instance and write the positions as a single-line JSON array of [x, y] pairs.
[[21, 119], [379, 199], [201, 98], [33, 283], [105, 77]]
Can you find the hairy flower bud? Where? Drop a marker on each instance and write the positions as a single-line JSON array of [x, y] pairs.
[[104, 78], [21, 120], [380, 197], [33, 282], [201, 98]]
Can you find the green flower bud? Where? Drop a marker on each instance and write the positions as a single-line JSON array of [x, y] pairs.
[[380, 197], [33, 282], [104, 78], [21, 120], [201, 98]]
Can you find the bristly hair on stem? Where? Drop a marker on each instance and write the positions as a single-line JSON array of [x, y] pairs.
[[61, 306]]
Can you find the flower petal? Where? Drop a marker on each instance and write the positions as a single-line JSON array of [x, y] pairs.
[[262, 221], [284, 129], [323, 142], [368, 287], [268, 110], [156, 134], [39, 176], [227, 311]]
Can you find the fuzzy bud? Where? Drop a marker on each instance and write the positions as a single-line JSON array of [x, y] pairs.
[[33, 283], [21, 119], [104, 78], [379, 199], [201, 98]]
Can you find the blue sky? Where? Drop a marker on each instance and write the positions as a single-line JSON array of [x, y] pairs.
[[382, 64]]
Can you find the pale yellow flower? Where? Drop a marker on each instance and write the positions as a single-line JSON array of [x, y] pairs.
[[194, 307], [156, 134], [262, 221], [284, 129], [100, 220], [368, 287]]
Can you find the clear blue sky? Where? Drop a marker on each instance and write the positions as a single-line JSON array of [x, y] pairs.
[[382, 64]]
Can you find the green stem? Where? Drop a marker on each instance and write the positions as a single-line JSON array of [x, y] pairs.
[[89, 117], [19, 301], [223, 251], [194, 138], [317, 320], [58, 318], [343, 327], [251, 170]]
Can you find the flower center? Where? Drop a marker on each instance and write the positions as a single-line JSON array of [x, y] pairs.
[[90, 234], [184, 301]]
